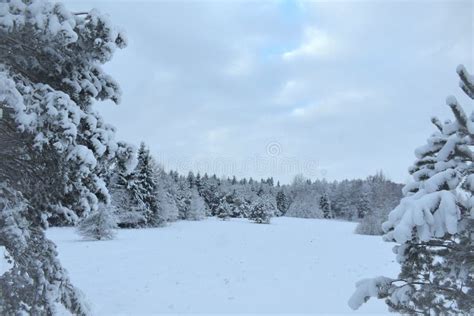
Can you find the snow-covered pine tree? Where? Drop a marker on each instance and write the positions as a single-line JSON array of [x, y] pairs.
[[125, 195], [54, 144], [232, 200], [37, 282], [371, 217], [305, 205], [241, 205], [209, 190], [197, 182], [341, 201], [145, 182], [99, 224], [191, 179], [434, 225], [363, 204], [377, 197], [197, 206], [262, 210], [225, 209], [282, 202], [183, 195], [168, 190], [325, 206]]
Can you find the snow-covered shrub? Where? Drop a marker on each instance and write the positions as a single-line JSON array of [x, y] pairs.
[[131, 219], [99, 224], [370, 225]]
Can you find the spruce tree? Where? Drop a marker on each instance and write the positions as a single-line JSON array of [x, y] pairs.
[[262, 210], [224, 209], [434, 225], [282, 202], [146, 186], [324, 206], [126, 198], [197, 206], [363, 205]]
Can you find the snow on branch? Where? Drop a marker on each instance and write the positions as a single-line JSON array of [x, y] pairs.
[[466, 81], [367, 288], [429, 215], [460, 115]]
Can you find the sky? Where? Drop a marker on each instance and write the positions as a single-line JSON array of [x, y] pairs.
[[333, 89]]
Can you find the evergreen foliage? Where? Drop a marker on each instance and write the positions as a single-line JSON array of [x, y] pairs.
[[434, 225], [262, 211], [99, 224]]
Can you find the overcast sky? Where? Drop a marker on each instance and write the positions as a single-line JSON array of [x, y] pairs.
[[334, 89]]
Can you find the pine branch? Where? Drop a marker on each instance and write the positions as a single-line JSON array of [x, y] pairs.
[[437, 123], [459, 113], [466, 81]]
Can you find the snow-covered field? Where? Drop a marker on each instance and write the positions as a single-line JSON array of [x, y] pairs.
[[290, 266]]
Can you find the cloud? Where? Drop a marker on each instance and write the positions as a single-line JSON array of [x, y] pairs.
[[290, 93], [337, 104], [241, 65], [349, 83], [217, 135], [316, 44]]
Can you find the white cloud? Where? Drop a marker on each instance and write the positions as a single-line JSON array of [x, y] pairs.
[[290, 93], [316, 43], [241, 65], [339, 103], [204, 78], [217, 135]]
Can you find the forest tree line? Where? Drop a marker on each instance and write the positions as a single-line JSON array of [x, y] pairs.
[[149, 196]]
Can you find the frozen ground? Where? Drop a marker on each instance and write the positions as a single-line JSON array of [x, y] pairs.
[[290, 266]]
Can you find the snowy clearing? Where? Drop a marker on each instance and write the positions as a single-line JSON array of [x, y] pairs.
[[290, 266]]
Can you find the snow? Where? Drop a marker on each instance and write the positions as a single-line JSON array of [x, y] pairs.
[[461, 70], [365, 289], [291, 265], [433, 214]]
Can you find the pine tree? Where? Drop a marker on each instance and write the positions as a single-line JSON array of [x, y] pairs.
[[197, 207], [125, 194], [37, 282], [325, 206], [282, 202], [305, 203], [363, 205], [99, 224], [224, 209], [166, 198], [262, 211], [434, 225], [55, 147], [146, 186], [241, 204], [191, 179], [211, 194]]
